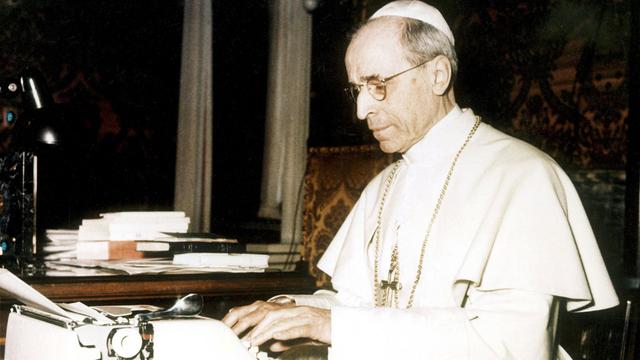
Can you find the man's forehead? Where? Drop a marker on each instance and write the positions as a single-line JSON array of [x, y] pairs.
[[384, 29], [374, 50]]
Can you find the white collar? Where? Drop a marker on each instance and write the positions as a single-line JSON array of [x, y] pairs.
[[443, 139]]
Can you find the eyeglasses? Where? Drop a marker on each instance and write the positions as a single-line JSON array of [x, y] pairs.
[[377, 88]]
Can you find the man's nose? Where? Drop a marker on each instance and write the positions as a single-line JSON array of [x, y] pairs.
[[365, 104]]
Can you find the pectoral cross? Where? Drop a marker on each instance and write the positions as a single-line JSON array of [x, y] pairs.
[[391, 287]]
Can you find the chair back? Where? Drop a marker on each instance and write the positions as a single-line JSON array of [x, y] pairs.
[[333, 181]]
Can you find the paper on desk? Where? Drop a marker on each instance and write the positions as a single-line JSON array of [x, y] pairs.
[[149, 266], [18, 289]]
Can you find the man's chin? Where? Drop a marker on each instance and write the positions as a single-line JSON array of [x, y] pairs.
[[388, 147]]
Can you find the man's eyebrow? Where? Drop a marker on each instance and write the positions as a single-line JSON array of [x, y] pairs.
[[370, 77]]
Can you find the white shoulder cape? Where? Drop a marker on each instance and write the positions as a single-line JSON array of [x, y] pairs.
[[514, 221]]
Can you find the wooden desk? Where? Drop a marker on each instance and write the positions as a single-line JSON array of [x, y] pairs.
[[144, 287], [220, 290]]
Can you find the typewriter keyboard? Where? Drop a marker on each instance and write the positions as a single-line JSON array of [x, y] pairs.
[[256, 353]]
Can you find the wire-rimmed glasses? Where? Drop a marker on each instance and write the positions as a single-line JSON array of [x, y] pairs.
[[377, 87]]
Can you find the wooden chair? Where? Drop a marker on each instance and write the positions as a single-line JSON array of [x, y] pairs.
[[334, 179], [610, 334]]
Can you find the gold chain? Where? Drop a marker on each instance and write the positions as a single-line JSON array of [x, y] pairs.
[[379, 299]]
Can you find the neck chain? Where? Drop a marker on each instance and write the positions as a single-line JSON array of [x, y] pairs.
[[386, 292]]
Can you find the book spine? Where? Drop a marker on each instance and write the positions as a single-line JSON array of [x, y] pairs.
[[108, 250], [187, 247]]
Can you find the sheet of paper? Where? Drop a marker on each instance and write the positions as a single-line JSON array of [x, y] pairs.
[[124, 310], [82, 309], [18, 289]]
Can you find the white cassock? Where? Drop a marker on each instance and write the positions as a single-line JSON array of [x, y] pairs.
[[511, 240]]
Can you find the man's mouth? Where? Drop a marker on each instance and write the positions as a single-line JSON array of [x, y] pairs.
[[377, 131]]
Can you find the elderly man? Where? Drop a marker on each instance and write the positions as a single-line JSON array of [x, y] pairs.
[[466, 248]]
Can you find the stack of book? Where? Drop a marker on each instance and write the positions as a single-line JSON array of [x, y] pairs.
[[115, 236], [60, 244], [164, 234], [223, 262], [282, 256], [180, 243], [133, 225]]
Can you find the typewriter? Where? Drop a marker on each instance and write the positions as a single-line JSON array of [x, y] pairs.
[[43, 330]]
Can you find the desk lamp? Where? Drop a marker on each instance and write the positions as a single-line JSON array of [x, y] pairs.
[[33, 131]]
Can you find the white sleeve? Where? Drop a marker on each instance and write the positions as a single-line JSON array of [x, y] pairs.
[[504, 324]]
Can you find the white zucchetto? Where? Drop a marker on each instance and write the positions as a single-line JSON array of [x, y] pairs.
[[416, 10]]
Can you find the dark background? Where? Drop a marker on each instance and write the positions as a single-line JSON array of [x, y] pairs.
[[240, 60], [113, 71]]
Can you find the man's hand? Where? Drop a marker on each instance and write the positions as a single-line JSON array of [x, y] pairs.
[[242, 318], [280, 322]]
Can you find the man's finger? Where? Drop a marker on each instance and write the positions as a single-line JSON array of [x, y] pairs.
[[231, 318], [304, 330], [279, 346], [250, 320], [295, 323], [238, 312], [267, 322], [279, 322], [243, 318]]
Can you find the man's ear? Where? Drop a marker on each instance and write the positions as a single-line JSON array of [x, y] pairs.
[[440, 75]]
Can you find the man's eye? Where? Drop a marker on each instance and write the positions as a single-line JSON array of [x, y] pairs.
[[376, 86]]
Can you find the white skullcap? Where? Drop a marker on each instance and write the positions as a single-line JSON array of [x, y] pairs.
[[418, 10]]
